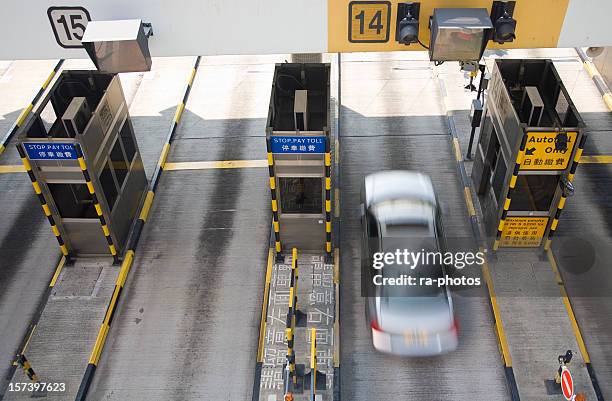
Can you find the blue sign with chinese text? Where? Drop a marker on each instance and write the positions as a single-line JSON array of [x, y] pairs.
[[50, 151], [298, 144]]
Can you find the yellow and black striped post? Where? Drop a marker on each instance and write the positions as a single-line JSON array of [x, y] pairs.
[[561, 205], [313, 363], [132, 243], [96, 202], [26, 112], [328, 224], [294, 283], [511, 186], [290, 324], [27, 368], [43, 203], [275, 224]]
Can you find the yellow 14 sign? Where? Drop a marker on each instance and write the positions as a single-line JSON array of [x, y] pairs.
[[542, 154]]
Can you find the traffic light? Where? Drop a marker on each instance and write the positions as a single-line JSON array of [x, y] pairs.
[[407, 28], [504, 26]]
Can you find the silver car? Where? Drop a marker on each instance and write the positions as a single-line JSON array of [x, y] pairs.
[[400, 210]]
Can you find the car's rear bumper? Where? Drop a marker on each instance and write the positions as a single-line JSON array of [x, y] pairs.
[[417, 345]]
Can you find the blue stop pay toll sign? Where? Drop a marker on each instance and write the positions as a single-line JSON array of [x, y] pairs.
[[50, 151], [297, 144]]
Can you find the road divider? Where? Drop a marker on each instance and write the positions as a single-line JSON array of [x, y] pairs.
[[499, 328], [132, 244]]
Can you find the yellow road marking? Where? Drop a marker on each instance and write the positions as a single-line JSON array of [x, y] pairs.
[[497, 314], [97, 350], [58, 270], [163, 156], [25, 346], [568, 308], [12, 169], [144, 213], [457, 149], [608, 99], [600, 159], [215, 165], [468, 201], [336, 202], [336, 266], [264, 306]]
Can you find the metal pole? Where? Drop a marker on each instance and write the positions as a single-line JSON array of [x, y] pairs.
[[473, 132], [469, 149]]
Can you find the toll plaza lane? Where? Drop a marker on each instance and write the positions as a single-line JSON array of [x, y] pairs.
[[395, 120], [188, 325], [29, 252], [70, 321], [580, 249]]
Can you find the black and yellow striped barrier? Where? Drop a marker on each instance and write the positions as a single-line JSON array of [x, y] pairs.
[[43, 203], [291, 319], [27, 368], [313, 364], [570, 178], [128, 259], [26, 112], [275, 224], [328, 223], [316, 380], [511, 186], [599, 81], [92, 192]]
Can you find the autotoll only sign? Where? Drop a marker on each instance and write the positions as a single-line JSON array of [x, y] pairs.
[[298, 144], [542, 153], [50, 151]]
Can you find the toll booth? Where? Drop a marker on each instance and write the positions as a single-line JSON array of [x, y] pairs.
[[81, 154], [529, 148], [299, 156]]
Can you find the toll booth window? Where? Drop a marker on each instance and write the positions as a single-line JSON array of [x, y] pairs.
[[108, 185], [301, 195], [534, 192], [128, 142], [73, 201], [119, 164]]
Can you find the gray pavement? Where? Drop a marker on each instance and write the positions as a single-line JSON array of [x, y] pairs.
[[583, 236], [395, 120], [188, 325], [60, 347], [28, 250]]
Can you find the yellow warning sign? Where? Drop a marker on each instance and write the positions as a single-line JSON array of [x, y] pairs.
[[523, 232], [369, 21], [543, 151]]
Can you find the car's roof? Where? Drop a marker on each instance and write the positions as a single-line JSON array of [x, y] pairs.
[[398, 184]]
